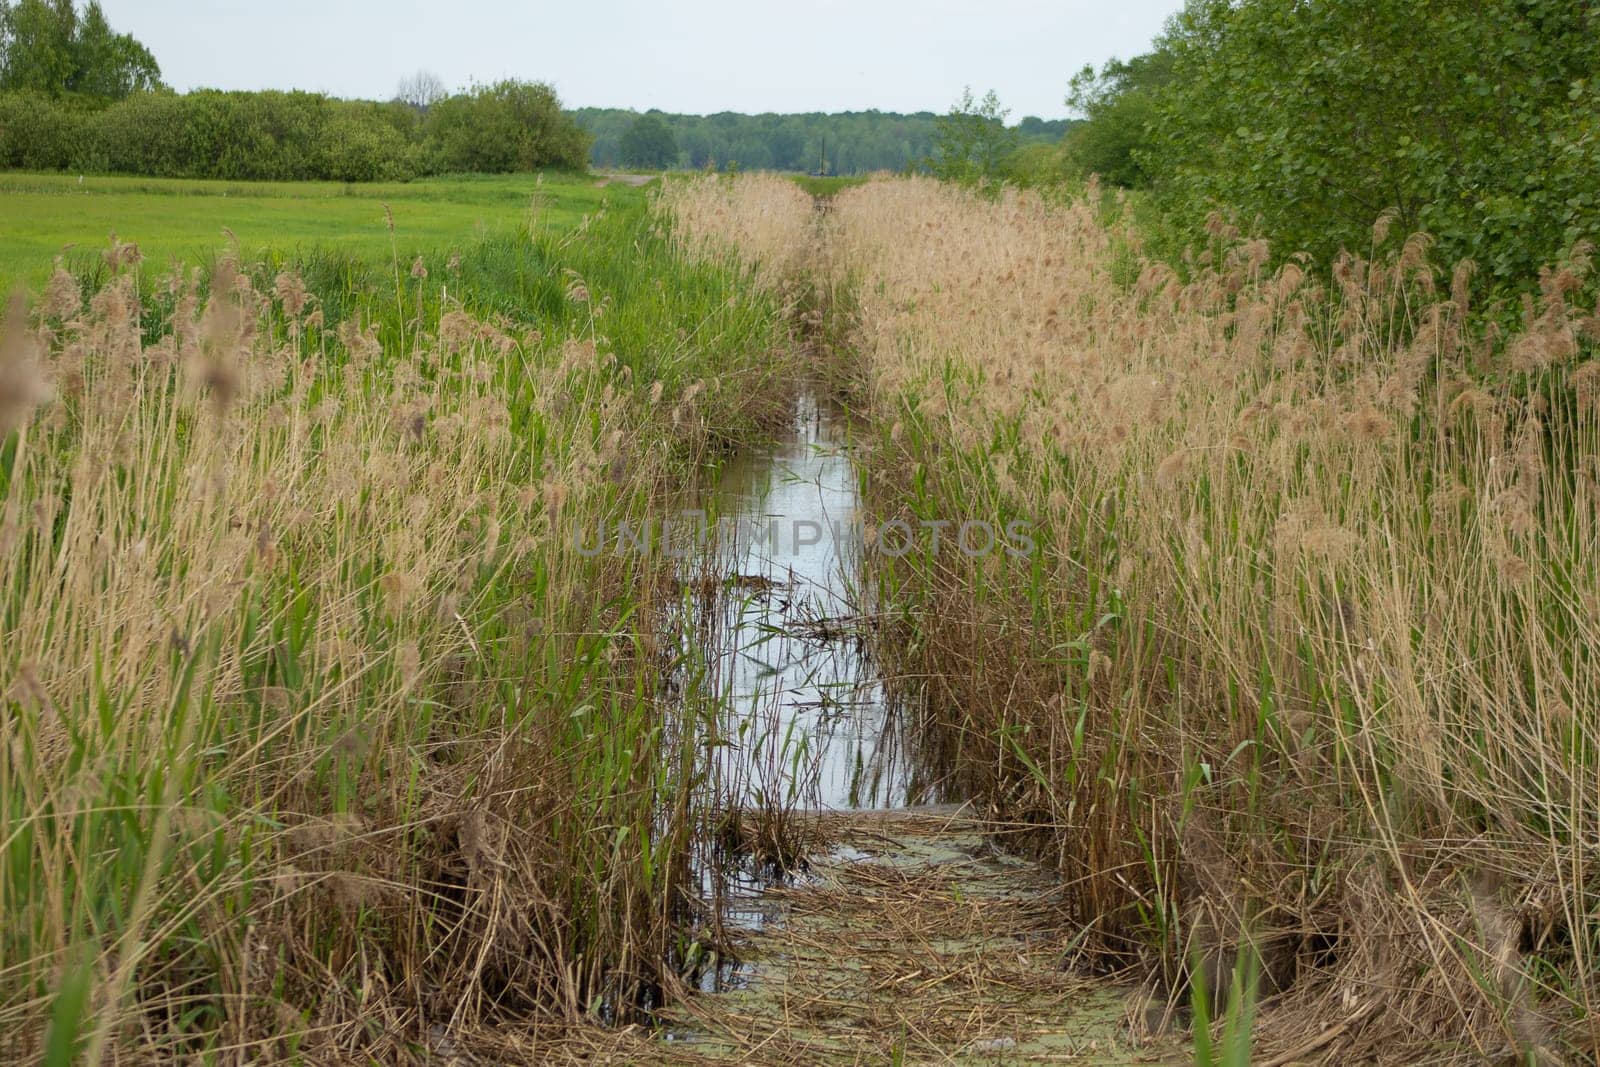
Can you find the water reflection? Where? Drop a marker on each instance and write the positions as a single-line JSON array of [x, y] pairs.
[[778, 678], [805, 716]]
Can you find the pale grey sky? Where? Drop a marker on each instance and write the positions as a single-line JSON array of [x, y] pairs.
[[696, 57]]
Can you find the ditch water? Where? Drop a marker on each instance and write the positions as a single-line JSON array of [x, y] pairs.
[[801, 720], [900, 902], [808, 720]]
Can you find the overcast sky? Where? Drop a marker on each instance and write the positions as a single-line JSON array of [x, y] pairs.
[[696, 57]]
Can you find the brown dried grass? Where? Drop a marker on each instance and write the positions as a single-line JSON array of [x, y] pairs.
[[1302, 659]]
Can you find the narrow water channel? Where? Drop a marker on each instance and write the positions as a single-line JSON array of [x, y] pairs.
[[797, 718], [807, 720], [905, 935]]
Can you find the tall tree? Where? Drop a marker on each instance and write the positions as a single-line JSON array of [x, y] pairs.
[[972, 143], [421, 90], [37, 46], [1470, 119], [109, 65], [649, 143], [787, 145], [1118, 104], [47, 47]]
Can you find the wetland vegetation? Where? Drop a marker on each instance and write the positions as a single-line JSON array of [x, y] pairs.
[[350, 711]]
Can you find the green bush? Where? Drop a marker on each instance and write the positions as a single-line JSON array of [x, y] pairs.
[[38, 133], [1119, 104], [358, 149], [276, 136], [267, 136], [212, 134], [507, 126], [1039, 165], [1472, 120], [972, 144], [145, 134]]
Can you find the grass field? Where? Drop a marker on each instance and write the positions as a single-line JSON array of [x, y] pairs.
[[173, 219]]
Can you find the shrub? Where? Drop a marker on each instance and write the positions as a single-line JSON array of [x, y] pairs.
[[1467, 120], [1118, 103], [38, 133], [144, 134], [1039, 165], [507, 126], [972, 143], [265, 136], [362, 151], [277, 136]]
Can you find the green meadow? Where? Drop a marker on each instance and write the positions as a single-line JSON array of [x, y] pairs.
[[50, 215]]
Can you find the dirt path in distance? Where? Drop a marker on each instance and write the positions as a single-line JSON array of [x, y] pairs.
[[607, 177]]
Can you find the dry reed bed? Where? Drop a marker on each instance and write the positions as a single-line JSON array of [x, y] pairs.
[[908, 940], [1304, 660], [769, 224], [318, 736]]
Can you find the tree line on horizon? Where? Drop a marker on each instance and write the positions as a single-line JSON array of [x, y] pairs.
[[1472, 121], [843, 143], [77, 96]]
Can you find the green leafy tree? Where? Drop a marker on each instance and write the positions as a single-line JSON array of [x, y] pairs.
[[47, 47], [1471, 119], [1118, 105], [787, 146], [38, 132], [1034, 128], [36, 45], [972, 143], [110, 65], [751, 152], [700, 148], [852, 142], [507, 126], [649, 143]]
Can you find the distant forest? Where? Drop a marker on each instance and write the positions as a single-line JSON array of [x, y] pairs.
[[852, 142]]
